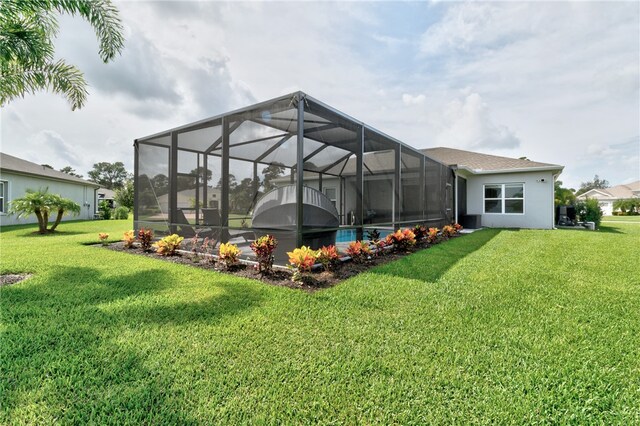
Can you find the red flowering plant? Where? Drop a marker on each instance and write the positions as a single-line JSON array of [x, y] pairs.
[[207, 246], [420, 232], [328, 257], [402, 239], [432, 235], [145, 237], [458, 227], [264, 247], [358, 251]]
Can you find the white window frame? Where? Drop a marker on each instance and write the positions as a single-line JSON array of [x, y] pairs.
[[503, 198], [4, 195], [333, 200]]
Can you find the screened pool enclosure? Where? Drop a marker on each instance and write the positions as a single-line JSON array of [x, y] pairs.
[[292, 167]]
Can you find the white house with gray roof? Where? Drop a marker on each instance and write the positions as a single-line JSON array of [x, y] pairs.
[[500, 192], [18, 175], [607, 196]]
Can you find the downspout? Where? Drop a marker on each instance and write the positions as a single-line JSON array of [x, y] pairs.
[[92, 215], [455, 189]]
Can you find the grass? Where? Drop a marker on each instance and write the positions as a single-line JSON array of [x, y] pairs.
[[499, 326], [628, 219]]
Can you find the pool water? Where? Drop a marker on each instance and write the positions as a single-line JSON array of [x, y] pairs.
[[348, 235]]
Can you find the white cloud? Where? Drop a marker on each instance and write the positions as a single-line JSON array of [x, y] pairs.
[[549, 80], [408, 99], [466, 123]]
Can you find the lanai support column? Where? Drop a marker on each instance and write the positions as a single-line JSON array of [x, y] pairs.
[[423, 195], [173, 183], [359, 181], [396, 186], [300, 171], [224, 193], [136, 184]]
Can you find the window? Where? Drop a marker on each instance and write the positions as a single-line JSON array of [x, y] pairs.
[[3, 196], [331, 194], [504, 198]]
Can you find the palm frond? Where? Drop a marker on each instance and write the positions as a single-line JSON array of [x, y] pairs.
[[59, 77], [104, 18]]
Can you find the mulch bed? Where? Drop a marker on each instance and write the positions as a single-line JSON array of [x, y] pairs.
[[8, 279], [310, 282]]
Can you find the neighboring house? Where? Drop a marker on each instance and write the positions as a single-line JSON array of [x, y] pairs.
[[607, 196], [500, 191], [104, 194], [17, 175]]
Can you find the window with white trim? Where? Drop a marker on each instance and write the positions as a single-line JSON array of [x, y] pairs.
[[504, 198], [331, 194], [3, 196]]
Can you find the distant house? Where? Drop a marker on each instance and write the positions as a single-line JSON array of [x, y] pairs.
[[496, 191], [104, 194], [17, 175], [607, 196]]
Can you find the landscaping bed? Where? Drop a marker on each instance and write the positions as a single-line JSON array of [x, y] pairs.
[[309, 281]]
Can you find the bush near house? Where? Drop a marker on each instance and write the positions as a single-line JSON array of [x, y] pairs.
[[589, 211]]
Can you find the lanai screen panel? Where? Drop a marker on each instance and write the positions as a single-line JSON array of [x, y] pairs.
[[380, 167], [152, 193], [411, 198]]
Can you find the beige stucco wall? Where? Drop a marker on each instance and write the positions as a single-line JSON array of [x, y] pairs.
[[18, 184]]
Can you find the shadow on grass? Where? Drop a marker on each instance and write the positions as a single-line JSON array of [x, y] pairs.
[[62, 341], [610, 229], [430, 264]]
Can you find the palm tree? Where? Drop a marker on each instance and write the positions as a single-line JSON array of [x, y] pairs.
[[63, 206], [41, 203], [27, 52], [34, 202]]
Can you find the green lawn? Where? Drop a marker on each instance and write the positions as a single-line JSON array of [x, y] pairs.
[[629, 219], [499, 326]]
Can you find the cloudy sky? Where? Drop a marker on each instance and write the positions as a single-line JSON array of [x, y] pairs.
[[556, 82]]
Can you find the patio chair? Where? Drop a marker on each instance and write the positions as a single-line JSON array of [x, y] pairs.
[[211, 217], [185, 229]]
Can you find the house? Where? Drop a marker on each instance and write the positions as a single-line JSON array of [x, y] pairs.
[[106, 194], [17, 175], [496, 191], [317, 159], [607, 196]]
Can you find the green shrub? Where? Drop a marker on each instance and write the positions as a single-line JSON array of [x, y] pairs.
[[121, 213], [589, 211], [105, 210]]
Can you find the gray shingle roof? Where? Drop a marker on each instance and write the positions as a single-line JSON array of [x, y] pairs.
[[478, 162], [18, 165], [628, 190]]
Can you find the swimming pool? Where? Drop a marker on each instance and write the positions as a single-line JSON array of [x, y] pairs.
[[348, 235]]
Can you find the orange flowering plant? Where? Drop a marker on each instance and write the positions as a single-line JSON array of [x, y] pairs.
[[402, 239], [129, 237], [328, 257], [432, 235], [103, 238], [448, 231], [358, 251]]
